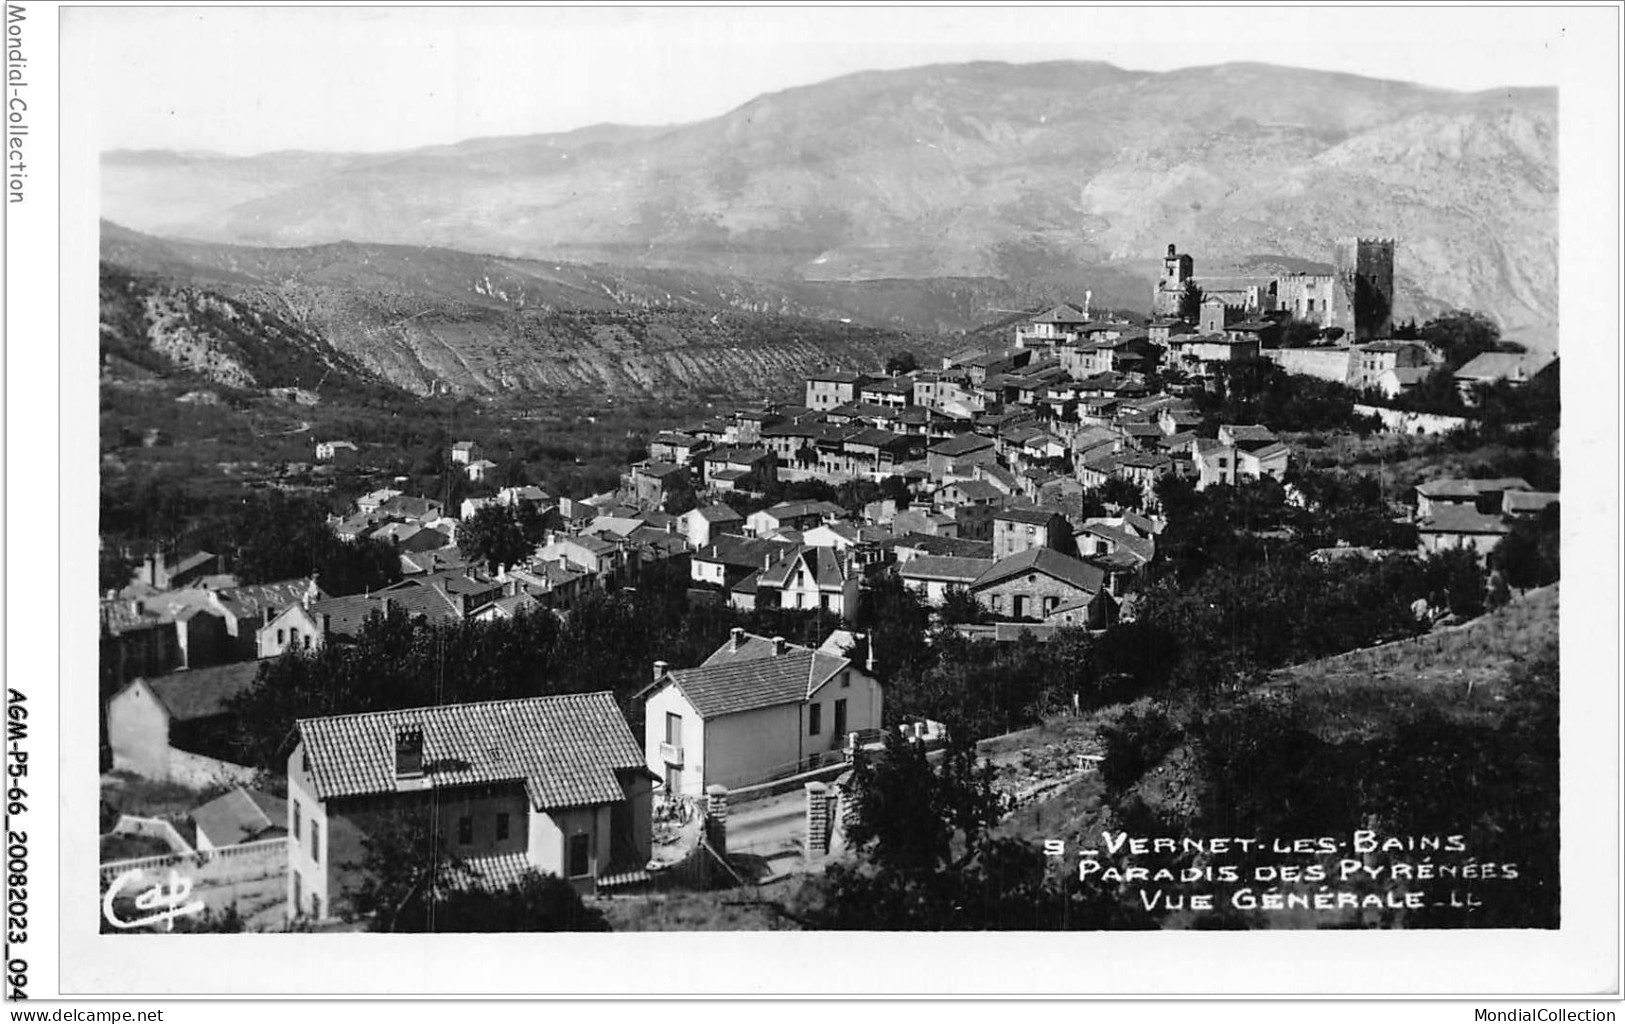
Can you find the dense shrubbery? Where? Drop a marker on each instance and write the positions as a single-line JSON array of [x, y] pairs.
[[610, 641], [1259, 391], [930, 861]]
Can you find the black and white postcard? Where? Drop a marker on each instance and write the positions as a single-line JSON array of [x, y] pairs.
[[915, 500]]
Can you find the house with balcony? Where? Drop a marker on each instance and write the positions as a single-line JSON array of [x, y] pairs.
[[757, 708]]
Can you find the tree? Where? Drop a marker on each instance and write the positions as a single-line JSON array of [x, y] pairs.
[[535, 903], [680, 496], [1459, 577], [405, 868], [895, 488], [1190, 302], [959, 606], [1297, 333], [1121, 493], [928, 859], [115, 568], [493, 536], [902, 362], [1461, 334], [1529, 556]]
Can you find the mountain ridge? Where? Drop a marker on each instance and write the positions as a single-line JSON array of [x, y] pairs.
[[1049, 172]]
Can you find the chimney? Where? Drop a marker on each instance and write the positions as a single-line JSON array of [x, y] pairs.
[[736, 638], [779, 645], [660, 670], [409, 752]]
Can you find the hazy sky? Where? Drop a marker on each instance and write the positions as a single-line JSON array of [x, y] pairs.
[[246, 80]]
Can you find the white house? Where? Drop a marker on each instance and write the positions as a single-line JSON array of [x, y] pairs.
[[757, 707], [810, 578], [932, 577], [702, 525]]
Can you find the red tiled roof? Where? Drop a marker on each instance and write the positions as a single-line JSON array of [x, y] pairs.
[[565, 749]]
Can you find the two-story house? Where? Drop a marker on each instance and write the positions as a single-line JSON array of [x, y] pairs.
[[1018, 529], [809, 578], [828, 389], [757, 707], [1040, 583], [555, 785]]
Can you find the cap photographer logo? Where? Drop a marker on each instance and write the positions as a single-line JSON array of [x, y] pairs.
[[166, 902]]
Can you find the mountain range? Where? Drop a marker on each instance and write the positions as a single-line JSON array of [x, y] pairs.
[[1018, 182]]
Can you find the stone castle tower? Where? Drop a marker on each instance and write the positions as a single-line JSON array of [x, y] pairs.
[[1365, 279], [1177, 268]]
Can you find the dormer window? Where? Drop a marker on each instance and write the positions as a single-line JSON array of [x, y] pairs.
[[409, 752]]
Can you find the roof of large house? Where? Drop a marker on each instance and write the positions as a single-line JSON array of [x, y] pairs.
[[1492, 366], [877, 438], [1030, 516], [564, 749], [1065, 313], [1050, 563], [410, 507], [945, 567], [1143, 460], [1268, 451], [674, 437], [961, 444], [197, 693], [976, 490], [659, 470], [396, 533], [240, 816], [1142, 548], [1240, 432], [431, 601], [900, 385], [757, 680], [1463, 489], [800, 509], [254, 601], [747, 646], [1461, 519], [718, 513], [742, 552], [959, 547], [1528, 501], [837, 377]]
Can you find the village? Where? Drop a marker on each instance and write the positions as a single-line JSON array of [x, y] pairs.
[[1016, 491]]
